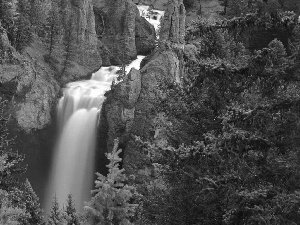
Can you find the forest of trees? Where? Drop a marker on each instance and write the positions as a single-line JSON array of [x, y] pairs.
[[231, 140], [232, 128], [26, 21]]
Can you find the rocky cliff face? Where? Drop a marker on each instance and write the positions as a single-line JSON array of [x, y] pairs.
[[31, 91], [31, 83], [122, 30], [130, 107], [34, 82], [173, 25], [77, 18]]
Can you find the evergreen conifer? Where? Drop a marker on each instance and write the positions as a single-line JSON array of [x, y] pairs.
[[69, 43], [23, 33], [32, 205], [111, 201], [70, 211], [53, 27], [55, 217]]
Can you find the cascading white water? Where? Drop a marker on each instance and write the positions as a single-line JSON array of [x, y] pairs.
[[73, 168], [73, 162]]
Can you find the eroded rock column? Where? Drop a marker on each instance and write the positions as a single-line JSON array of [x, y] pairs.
[[130, 107]]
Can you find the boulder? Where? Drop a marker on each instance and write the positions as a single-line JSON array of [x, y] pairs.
[[144, 36], [129, 89]]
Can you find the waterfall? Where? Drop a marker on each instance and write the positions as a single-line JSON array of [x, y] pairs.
[[72, 169], [73, 162]]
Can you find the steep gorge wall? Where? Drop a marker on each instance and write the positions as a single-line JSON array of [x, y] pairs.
[[130, 107], [32, 82], [78, 23], [124, 33]]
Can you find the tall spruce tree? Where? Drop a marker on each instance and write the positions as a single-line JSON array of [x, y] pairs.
[[9, 214], [110, 204], [55, 217], [23, 33], [7, 13], [10, 160], [32, 206], [7, 17], [70, 212], [53, 27], [11, 208], [69, 42]]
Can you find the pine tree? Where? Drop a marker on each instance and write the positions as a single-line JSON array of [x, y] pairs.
[[69, 43], [70, 211], [53, 27], [10, 161], [6, 13], [38, 20], [111, 201], [9, 214], [7, 17], [32, 205], [23, 34], [10, 210], [55, 217]]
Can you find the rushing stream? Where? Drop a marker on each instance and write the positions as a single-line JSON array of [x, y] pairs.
[[73, 161]]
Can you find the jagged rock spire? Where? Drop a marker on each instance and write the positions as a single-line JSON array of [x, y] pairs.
[[173, 25]]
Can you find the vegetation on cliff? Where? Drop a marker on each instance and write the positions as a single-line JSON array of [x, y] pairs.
[[19, 204], [223, 144]]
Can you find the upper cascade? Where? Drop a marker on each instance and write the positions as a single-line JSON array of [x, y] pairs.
[[156, 4], [173, 25]]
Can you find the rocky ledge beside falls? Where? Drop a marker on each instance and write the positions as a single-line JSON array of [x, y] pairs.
[[129, 108]]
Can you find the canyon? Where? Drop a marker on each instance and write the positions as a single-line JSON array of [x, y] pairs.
[[106, 33]]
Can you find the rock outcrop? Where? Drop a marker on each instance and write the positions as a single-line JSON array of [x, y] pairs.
[[173, 25], [130, 106], [122, 30], [120, 106], [31, 83], [144, 36], [79, 39]]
